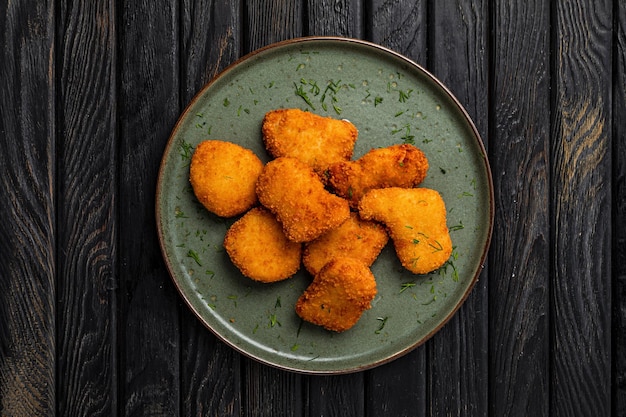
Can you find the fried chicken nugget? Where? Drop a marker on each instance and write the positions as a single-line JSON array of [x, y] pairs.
[[338, 295], [296, 195], [258, 247], [393, 166], [416, 221], [223, 177], [316, 140], [354, 238]]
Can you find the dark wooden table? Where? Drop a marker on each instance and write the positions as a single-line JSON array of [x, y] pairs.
[[90, 321]]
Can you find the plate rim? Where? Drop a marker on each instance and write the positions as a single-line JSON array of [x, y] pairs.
[[478, 142]]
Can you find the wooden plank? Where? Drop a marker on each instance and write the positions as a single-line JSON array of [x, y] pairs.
[[399, 387], [341, 395], [399, 25], [337, 395], [334, 18], [210, 370], [87, 302], [458, 360], [267, 391], [519, 340], [269, 21], [581, 163], [619, 213], [211, 40], [27, 229], [149, 322]]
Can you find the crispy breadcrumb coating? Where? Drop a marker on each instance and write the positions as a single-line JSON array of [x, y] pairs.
[[295, 194], [416, 221], [355, 238], [258, 247], [338, 295], [316, 140], [223, 177], [402, 166]]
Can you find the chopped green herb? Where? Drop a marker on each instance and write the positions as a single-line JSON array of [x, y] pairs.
[[404, 96], [186, 150], [437, 246], [179, 214], [301, 93], [194, 255], [383, 321], [274, 321], [299, 328], [457, 227], [406, 286]]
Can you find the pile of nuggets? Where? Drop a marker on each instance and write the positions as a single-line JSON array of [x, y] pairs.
[[313, 206]]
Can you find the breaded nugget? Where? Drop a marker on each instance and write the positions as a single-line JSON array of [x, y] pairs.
[[296, 195], [355, 238], [223, 177], [257, 246], [316, 140], [416, 221], [338, 295], [394, 166]]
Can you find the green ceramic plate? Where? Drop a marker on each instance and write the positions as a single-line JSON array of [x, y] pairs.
[[391, 100]]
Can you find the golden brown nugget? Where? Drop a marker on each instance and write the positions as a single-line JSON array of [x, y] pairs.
[[318, 141], [223, 177], [295, 194], [338, 295], [416, 221], [402, 166], [355, 238], [258, 247]]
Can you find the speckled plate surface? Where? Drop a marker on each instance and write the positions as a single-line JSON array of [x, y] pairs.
[[391, 100]]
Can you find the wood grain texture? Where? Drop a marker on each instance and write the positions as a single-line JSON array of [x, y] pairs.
[[399, 25], [150, 104], [267, 391], [27, 207], [335, 18], [86, 284], [398, 388], [519, 272], [458, 360], [210, 370], [269, 21], [619, 214], [341, 395], [337, 395], [210, 373], [581, 284], [211, 40], [392, 26]]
